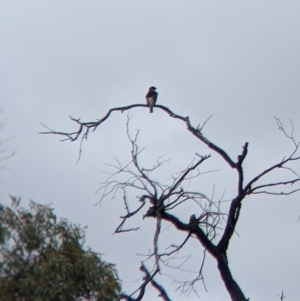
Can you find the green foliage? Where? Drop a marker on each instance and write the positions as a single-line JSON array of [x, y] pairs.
[[42, 259]]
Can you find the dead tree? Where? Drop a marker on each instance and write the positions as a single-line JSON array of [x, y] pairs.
[[212, 227]]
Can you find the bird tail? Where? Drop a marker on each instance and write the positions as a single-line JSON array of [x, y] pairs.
[[151, 109]]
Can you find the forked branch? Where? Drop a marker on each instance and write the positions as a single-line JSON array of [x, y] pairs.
[[205, 225]]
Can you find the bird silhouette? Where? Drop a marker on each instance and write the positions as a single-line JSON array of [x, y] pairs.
[[151, 98]]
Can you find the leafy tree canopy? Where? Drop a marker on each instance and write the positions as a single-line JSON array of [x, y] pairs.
[[43, 259]]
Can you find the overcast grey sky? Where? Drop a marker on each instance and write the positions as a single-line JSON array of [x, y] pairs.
[[236, 60]]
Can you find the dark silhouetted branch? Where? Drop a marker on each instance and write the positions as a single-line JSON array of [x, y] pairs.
[[207, 224]]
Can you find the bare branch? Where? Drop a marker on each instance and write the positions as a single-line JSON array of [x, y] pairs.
[[149, 278], [289, 136], [85, 127], [186, 172], [162, 293], [189, 286], [248, 189], [129, 214], [176, 248], [200, 128], [277, 193], [291, 182], [207, 223], [281, 297], [155, 242]]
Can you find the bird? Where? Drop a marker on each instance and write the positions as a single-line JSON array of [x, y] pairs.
[[151, 98]]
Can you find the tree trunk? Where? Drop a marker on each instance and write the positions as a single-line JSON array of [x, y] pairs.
[[232, 287]]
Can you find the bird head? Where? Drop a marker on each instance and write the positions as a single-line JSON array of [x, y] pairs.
[[152, 88]]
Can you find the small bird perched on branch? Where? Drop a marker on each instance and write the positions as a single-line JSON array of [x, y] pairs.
[[151, 98]]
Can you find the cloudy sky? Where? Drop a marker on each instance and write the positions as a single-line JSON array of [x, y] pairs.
[[236, 60]]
